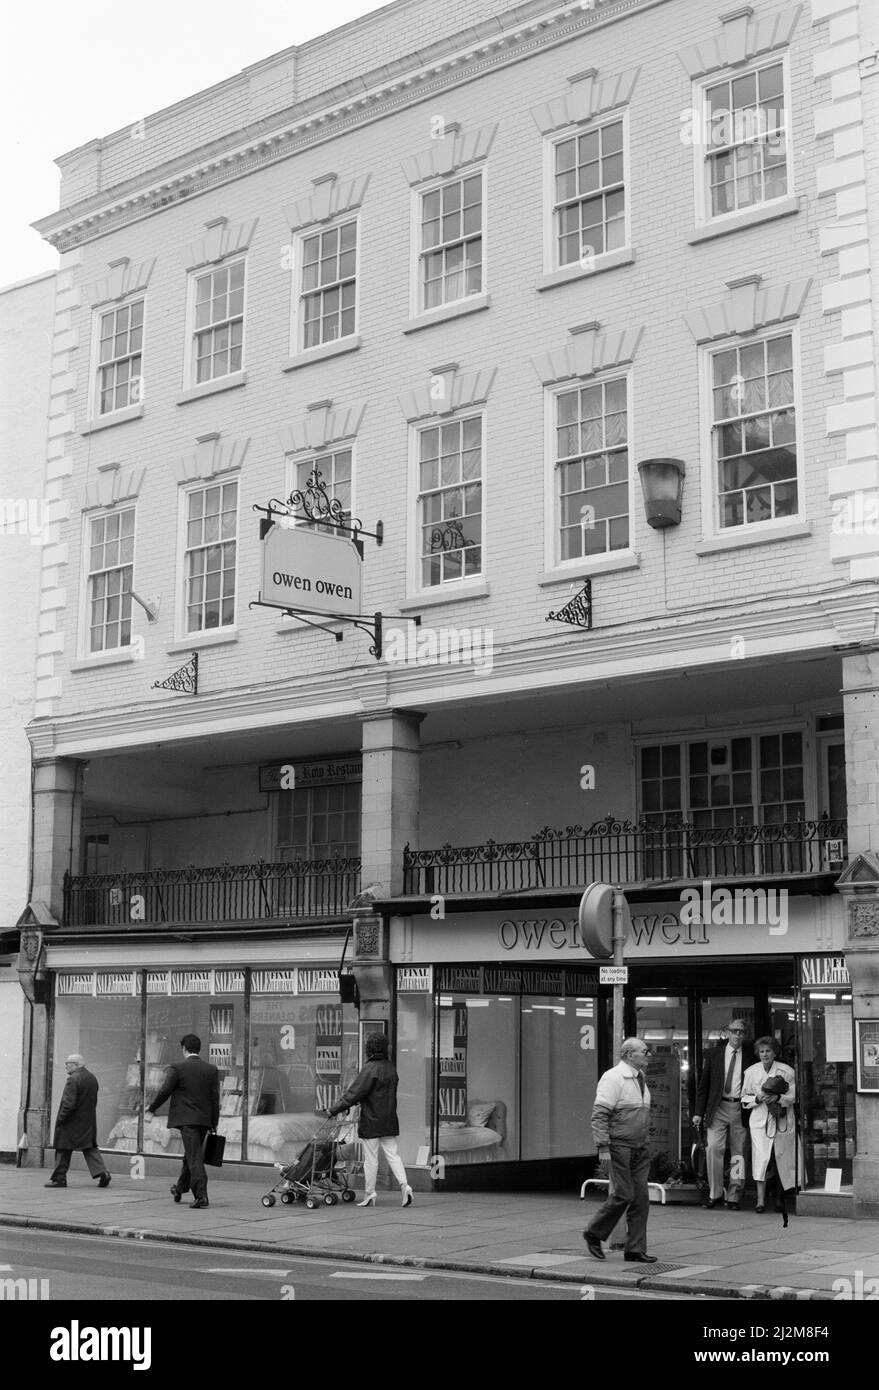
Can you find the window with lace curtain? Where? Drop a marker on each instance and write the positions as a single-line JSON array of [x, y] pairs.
[[592, 468], [746, 146], [754, 432]]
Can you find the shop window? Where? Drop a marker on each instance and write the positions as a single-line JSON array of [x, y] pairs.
[[506, 1076], [662, 1022], [478, 1049], [303, 1052], [414, 1060], [828, 1090], [218, 1020], [556, 1074], [107, 1033]]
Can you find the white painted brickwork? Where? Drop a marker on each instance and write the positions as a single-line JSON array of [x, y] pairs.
[[849, 178], [669, 278]]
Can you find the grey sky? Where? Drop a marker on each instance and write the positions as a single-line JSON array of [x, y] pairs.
[[82, 68]]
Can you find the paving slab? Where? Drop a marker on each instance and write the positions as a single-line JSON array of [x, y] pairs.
[[725, 1254]]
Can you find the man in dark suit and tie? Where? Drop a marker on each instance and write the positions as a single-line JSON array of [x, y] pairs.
[[194, 1088], [719, 1103]]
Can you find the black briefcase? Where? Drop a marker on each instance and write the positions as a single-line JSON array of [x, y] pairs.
[[214, 1148]]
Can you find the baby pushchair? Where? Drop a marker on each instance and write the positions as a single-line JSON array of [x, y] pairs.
[[321, 1173]]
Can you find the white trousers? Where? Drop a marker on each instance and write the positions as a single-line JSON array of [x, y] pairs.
[[370, 1160]]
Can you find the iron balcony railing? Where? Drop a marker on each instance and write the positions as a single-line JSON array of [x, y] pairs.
[[298, 888], [620, 852]]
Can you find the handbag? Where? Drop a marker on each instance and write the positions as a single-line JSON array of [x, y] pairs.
[[214, 1148]]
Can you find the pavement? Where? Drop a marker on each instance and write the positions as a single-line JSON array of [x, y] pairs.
[[723, 1254]]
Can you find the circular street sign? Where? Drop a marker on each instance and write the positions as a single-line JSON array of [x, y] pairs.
[[596, 920]]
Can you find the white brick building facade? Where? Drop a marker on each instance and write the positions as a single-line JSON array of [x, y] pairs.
[[720, 627]]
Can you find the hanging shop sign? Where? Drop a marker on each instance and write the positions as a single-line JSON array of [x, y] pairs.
[[305, 569], [314, 568]]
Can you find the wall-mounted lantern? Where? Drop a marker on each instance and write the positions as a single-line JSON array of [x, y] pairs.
[[662, 481]]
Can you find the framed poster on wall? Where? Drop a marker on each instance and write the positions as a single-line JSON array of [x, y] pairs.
[[867, 1054]]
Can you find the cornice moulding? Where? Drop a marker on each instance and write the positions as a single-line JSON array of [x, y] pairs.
[[462, 57], [811, 624]]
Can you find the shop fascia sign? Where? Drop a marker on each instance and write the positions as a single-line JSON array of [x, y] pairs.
[[311, 562], [275, 777]]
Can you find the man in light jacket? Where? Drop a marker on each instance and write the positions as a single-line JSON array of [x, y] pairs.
[[620, 1120]]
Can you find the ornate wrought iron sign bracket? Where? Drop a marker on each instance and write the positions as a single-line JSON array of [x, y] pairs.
[[314, 504], [370, 623], [327, 525], [184, 680], [577, 611]]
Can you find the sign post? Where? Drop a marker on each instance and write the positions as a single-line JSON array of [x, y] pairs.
[[605, 922]]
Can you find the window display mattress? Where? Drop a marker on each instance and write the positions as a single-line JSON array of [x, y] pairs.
[[271, 1138]]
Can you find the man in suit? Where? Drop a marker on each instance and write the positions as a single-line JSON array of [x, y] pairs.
[[76, 1125], [194, 1088], [719, 1104], [620, 1121]]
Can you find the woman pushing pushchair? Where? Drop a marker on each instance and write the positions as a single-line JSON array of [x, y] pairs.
[[375, 1091]]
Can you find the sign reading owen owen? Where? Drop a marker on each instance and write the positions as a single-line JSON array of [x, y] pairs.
[[307, 570]]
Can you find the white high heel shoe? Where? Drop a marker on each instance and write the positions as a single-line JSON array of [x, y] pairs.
[[407, 1195], [368, 1201]]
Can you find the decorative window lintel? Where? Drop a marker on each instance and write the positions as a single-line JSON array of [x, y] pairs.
[[209, 458], [451, 150], [332, 197], [112, 487], [748, 308], [586, 353], [743, 37], [222, 238], [589, 96], [323, 425], [446, 391], [122, 279]]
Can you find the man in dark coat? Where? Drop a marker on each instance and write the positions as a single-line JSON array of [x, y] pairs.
[[719, 1104], [76, 1126], [194, 1088]]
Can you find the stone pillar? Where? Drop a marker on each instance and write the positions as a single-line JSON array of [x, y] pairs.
[[56, 849], [57, 827], [389, 820], [859, 886]]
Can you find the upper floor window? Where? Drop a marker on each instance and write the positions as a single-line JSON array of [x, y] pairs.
[[211, 520], [751, 779], [120, 348], [327, 302], [450, 500], [110, 579], [592, 469], [746, 146], [334, 475], [450, 241], [754, 431], [218, 322], [589, 197], [319, 822]]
